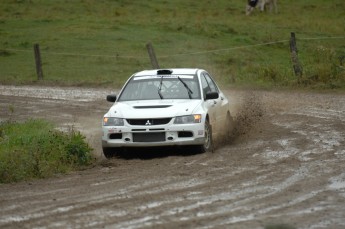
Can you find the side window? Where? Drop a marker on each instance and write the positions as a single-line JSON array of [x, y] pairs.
[[207, 84], [211, 83], [205, 87]]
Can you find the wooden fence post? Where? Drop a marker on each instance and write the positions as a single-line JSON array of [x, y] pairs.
[[152, 55], [294, 57], [38, 62]]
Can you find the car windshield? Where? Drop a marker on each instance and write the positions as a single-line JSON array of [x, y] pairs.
[[161, 87]]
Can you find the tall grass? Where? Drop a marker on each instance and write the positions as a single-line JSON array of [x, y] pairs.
[[35, 149], [89, 42]]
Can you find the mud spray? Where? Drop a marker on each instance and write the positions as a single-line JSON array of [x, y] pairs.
[[246, 118]]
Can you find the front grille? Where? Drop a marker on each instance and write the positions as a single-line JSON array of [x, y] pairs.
[[148, 122], [149, 137], [138, 129]]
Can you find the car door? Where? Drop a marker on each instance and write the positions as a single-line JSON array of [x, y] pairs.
[[213, 105]]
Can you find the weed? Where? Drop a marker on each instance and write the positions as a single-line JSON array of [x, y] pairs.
[[35, 149], [76, 149], [5, 53], [326, 72]]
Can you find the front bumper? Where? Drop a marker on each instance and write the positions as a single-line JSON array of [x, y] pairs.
[[157, 135]]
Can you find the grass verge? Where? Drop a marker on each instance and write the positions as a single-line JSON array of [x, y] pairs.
[[35, 149]]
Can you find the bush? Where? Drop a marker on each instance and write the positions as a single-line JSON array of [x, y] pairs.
[[35, 149], [324, 69]]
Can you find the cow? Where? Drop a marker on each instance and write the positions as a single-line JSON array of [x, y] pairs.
[[262, 4]]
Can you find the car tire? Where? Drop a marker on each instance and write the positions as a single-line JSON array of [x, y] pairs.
[[109, 152], [208, 143]]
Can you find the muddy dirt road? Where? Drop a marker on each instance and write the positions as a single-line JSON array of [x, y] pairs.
[[285, 166]]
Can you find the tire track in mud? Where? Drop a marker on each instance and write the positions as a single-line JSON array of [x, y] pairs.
[[284, 165]]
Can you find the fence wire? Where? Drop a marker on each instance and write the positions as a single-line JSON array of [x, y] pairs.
[[178, 54]]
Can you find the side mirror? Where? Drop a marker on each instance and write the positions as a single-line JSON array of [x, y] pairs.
[[111, 98], [212, 95]]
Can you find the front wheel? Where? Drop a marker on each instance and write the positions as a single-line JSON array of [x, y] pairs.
[[208, 142]]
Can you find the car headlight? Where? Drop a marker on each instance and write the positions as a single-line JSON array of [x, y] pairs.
[[188, 119], [110, 121]]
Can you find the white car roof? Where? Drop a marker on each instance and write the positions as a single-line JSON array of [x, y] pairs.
[[179, 71]]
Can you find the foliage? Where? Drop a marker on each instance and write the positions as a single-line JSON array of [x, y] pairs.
[[89, 42], [327, 72], [34, 149]]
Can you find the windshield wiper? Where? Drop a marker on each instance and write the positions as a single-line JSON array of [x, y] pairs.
[[160, 88], [190, 92]]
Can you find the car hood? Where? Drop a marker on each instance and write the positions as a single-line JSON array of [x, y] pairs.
[[153, 108]]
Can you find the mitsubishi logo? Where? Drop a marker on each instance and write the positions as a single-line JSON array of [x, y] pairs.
[[148, 123]]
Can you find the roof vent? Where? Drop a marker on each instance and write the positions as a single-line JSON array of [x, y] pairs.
[[164, 72]]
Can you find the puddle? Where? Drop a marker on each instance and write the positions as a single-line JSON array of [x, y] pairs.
[[327, 114], [337, 183]]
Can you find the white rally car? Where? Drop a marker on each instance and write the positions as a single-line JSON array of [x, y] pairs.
[[166, 107]]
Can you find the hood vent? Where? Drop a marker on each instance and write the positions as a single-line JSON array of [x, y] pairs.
[[150, 107]]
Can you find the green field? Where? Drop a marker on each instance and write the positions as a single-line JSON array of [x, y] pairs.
[[101, 43]]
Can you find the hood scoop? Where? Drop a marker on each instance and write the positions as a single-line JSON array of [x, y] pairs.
[[152, 106]]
